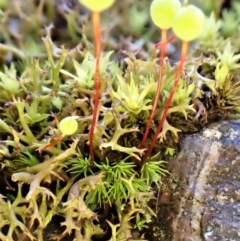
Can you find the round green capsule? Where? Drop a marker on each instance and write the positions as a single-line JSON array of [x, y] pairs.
[[68, 125], [97, 5], [163, 11], [188, 23]]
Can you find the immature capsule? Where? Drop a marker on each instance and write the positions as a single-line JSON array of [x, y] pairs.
[[97, 5], [68, 125], [163, 11], [188, 23]]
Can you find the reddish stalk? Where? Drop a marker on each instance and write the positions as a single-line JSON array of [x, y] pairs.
[[97, 39], [54, 143], [158, 45], [169, 100], [159, 85]]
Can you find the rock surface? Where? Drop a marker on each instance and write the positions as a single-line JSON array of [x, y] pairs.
[[200, 200]]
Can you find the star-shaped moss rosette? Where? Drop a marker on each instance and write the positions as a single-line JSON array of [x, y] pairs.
[[131, 97]]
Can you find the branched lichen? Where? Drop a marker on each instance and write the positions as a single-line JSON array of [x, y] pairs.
[[53, 86], [75, 208]]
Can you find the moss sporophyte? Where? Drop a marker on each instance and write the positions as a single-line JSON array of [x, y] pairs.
[[96, 6], [162, 13], [84, 136], [187, 24]]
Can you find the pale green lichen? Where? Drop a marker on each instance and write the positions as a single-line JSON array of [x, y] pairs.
[[45, 78]]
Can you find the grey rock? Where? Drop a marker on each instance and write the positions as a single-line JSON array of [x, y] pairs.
[[200, 200]]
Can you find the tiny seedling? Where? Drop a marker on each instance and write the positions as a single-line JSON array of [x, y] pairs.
[[162, 13], [96, 6], [188, 25]]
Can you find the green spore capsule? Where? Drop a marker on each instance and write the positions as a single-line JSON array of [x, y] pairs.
[[188, 23], [97, 5], [163, 11], [68, 125]]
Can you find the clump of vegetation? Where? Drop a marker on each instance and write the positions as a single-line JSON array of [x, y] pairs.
[[78, 139]]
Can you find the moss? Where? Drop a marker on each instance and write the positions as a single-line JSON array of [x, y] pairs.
[[44, 80]]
